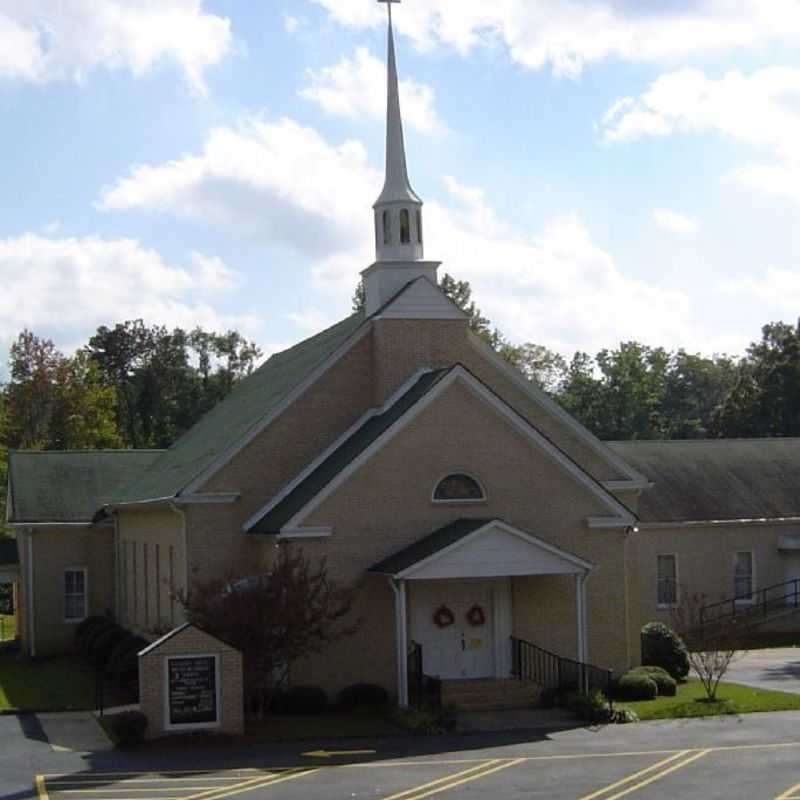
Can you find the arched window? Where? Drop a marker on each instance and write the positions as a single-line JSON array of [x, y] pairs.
[[387, 227], [405, 226], [419, 226], [458, 487]]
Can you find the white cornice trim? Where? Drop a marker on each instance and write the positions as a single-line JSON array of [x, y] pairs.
[[46, 525], [716, 523], [599, 523], [220, 461], [580, 564], [320, 532], [338, 442], [459, 373], [211, 498], [549, 405], [627, 486]]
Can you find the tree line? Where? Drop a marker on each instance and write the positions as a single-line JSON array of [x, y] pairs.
[[141, 386]]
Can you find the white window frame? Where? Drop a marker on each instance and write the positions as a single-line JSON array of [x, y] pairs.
[[85, 572], [677, 582], [746, 601], [455, 501], [188, 726]]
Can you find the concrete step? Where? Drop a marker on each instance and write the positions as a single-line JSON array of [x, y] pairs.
[[487, 694]]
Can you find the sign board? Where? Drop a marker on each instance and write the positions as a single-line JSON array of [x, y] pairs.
[[192, 684]]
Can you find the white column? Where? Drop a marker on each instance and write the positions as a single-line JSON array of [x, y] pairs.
[[401, 639], [580, 609]]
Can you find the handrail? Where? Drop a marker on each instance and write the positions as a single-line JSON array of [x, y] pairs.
[[752, 605], [551, 671], [423, 690]]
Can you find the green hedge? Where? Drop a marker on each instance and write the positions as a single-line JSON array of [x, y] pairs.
[[662, 647]]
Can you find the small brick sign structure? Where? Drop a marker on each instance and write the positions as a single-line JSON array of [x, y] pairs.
[[190, 681]]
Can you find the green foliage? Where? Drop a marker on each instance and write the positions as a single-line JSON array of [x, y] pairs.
[[86, 640], [662, 647], [665, 683], [104, 643], [425, 721], [128, 728], [363, 695], [635, 687], [301, 700], [591, 706], [123, 663]]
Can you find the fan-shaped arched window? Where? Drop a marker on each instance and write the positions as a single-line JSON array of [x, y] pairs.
[[405, 226], [458, 487], [387, 227]]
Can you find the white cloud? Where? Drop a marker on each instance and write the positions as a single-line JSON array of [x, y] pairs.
[[568, 34], [65, 288], [292, 24], [675, 222], [777, 289], [761, 110], [45, 40], [269, 180], [356, 87]]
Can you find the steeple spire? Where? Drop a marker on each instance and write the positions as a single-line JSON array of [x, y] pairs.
[[398, 210]]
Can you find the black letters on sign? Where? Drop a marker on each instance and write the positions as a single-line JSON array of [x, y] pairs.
[[192, 690]]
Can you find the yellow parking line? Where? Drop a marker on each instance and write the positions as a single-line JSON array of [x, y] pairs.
[[41, 790], [659, 775], [789, 794], [468, 779], [253, 783], [445, 779], [635, 775]]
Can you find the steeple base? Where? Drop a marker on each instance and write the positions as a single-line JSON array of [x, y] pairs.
[[384, 279]]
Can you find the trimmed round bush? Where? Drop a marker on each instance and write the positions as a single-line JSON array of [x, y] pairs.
[[124, 659], [662, 647], [363, 695], [104, 643], [129, 728], [636, 687], [667, 685], [301, 700], [87, 626]]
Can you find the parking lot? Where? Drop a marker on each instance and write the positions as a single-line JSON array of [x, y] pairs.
[[769, 770]]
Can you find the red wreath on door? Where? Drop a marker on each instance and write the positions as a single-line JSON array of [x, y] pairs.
[[476, 616], [443, 617]]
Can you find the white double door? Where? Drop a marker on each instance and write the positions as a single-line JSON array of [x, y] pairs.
[[462, 649]]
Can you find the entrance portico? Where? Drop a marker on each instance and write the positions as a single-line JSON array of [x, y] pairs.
[[453, 597]]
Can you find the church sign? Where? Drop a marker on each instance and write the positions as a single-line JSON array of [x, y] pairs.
[[192, 683]]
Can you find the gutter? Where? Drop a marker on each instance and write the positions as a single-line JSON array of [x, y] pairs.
[[713, 523], [31, 607]]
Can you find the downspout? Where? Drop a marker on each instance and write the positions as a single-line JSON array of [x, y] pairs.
[[117, 598], [185, 544], [31, 605], [401, 638]]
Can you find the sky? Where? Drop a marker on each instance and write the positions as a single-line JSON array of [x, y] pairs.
[[599, 170]]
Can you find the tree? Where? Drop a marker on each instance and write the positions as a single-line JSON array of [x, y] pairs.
[[710, 645], [290, 613]]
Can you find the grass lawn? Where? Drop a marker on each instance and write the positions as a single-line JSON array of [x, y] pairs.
[[8, 627], [732, 698], [63, 682]]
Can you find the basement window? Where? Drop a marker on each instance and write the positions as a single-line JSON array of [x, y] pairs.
[[458, 487]]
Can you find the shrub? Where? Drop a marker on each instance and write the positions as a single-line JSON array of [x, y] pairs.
[[425, 721], [665, 683], [86, 642], [87, 627], [128, 728], [591, 706], [104, 643], [124, 659], [301, 700], [363, 695], [635, 687], [662, 647]]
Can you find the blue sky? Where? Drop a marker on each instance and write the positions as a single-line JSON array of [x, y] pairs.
[[598, 170]]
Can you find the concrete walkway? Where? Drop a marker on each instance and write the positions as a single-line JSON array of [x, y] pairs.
[[774, 668], [76, 731], [518, 719]]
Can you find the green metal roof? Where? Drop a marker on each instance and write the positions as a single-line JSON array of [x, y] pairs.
[[430, 545], [716, 479], [350, 449], [231, 419], [69, 485], [9, 554]]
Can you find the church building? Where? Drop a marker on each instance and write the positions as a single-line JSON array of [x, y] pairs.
[[466, 507]]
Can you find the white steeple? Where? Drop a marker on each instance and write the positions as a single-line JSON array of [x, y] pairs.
[[398, 210]]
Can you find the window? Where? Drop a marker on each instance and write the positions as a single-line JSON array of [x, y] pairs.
[[419, 226], [667, 580], [405, 226], [743, 576], [458, 488], [387, 227], [75, 594]]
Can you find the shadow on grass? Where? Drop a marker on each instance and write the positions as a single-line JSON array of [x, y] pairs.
[[59, 683]]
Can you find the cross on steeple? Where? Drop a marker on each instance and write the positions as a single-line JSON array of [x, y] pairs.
[[389, 7]]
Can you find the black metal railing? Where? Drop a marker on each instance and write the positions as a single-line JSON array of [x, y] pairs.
[[551, 671], [423, 690], [752, 608]]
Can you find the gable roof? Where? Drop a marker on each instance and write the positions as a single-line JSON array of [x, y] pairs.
[[344, 454], [69, 485], [716, 479], [376, 428], [9, 553], [233, 418]]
